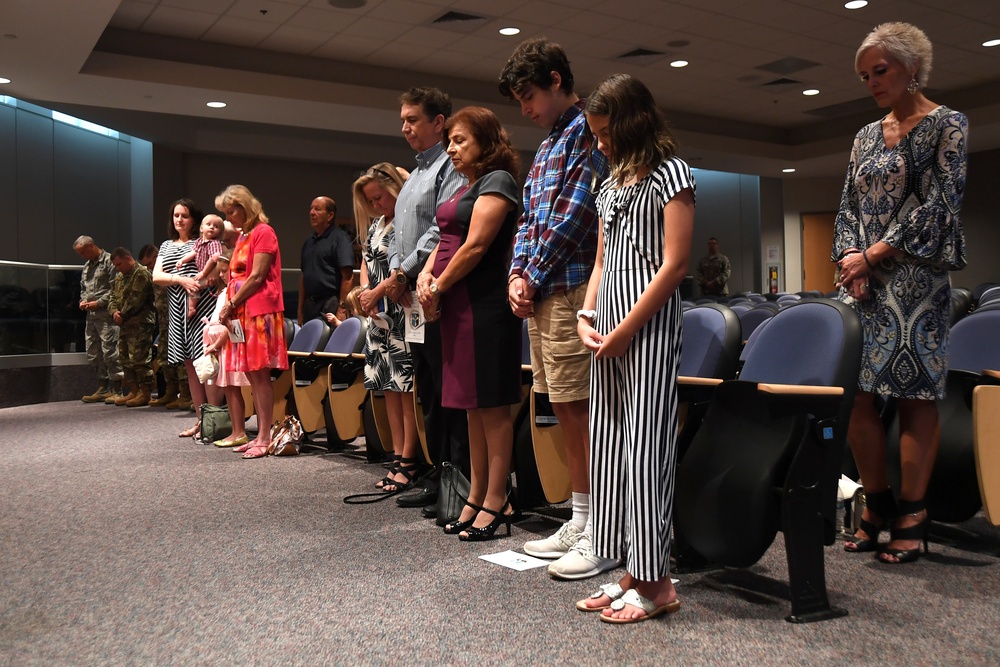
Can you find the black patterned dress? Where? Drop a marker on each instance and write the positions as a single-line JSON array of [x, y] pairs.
[[388, 364], [909, 197], [184, 336]]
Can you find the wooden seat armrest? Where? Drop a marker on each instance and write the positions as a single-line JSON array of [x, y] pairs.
[[992, 374], [333, 355], [800, 389], [296, 353], [358, 355], [698, 381]]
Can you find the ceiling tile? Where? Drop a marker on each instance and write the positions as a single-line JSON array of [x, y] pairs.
[[263, 10], [131, 14], [238, 32], [346, 48], [208, 6], [323, 19], [292, 39], [179, 22]]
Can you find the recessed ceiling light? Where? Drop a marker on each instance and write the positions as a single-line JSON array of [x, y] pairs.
[[992, 42], [347, 4], [216, 105], [788, 171], [855, 4], [509, 31], [810, 92], [4, 79], [679, 63]]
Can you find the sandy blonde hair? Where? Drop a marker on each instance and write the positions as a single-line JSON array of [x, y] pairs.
[[387, 175], [240, 195]]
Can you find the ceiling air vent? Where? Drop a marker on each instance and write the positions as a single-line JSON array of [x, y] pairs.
[[457, 17], [641, 53]]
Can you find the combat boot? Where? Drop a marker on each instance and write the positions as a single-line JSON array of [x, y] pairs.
[[133, 391], [169, 394], [98, 396], [141, 398], [115, 392], [183, 401]]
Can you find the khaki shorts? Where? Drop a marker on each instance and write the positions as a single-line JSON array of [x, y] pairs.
[[560, 364]]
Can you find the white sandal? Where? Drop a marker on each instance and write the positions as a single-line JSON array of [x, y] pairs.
[[632, 597], [612, 590]]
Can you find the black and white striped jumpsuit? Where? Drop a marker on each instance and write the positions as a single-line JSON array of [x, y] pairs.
[[633, 410]]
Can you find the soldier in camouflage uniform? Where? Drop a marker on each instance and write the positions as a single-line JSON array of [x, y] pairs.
[[101, 333], [713, 271], [175, 377], [131, 308]]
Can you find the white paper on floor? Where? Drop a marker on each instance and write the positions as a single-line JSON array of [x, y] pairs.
[[515, 560]]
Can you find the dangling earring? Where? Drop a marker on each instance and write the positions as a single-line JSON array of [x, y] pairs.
[[913, 86]]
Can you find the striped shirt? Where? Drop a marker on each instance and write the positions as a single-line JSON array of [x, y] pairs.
[[556, 242], [416, 210]]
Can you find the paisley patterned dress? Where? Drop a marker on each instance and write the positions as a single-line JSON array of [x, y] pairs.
[[909, 197]]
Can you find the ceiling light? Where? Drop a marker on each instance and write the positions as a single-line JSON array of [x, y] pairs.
[[4, 79], [992, 42], [216, 105], [810, 92], [509, 31], [790, 170], [347, 4], [679, 63], [855, 4]]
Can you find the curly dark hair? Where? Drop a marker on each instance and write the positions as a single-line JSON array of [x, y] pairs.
[[497, 152], [532, 64]]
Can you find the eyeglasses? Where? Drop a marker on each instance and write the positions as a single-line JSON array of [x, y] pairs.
[[376, 170]]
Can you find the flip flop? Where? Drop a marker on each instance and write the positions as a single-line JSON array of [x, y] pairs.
[[612, 590], [232, 443], [632, 597]]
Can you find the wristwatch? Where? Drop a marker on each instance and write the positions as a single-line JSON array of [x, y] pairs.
[[401, 278], [589, 314], [434, 289]]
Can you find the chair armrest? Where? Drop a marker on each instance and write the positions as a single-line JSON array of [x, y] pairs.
[[800, 389], [698, 381], [358, 355], [296, 353], [333, 355], [992, 374]]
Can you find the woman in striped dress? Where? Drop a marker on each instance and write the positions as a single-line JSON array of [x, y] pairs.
[[184, 334], [631, 321]]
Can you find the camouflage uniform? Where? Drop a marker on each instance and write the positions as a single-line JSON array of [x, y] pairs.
[[101, 333], [132, 295], [714, 267], [172, 374]]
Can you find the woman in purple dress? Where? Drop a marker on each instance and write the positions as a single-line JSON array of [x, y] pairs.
[[463, 283]]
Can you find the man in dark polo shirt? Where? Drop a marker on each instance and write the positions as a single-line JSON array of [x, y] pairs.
[[327, 263]]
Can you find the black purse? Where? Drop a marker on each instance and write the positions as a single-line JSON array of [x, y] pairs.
[[453, 492]]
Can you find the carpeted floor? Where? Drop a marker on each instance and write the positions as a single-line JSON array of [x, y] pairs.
[[122, 544]]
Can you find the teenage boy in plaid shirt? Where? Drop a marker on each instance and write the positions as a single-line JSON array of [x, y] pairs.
[[554, 253]]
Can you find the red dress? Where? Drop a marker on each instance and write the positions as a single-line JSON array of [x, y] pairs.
[[264, 334]]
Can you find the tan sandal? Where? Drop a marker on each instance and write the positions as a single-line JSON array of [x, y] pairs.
[[191, 432], [634, 598]]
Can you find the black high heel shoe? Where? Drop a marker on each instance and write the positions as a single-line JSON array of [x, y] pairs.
[[487, 532], [457, 526], [917, 531], [882, 505]]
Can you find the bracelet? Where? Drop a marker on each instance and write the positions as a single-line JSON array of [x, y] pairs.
[[864, 253], [512, 278]]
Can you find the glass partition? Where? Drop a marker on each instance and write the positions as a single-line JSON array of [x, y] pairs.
[[39, 309]]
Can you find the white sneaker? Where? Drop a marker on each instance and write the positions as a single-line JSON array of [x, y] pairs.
[[554, 546], [580, 562]]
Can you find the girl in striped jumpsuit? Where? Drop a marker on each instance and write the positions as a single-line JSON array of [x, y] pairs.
[[632, 322]]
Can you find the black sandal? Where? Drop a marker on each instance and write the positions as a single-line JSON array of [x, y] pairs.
[[408, 468], [917, 531], [393, 469], [882, 505]]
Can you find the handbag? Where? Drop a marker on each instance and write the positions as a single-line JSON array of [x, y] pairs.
[[215, 423], [453, 491], [286, 437], [206, 367]]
